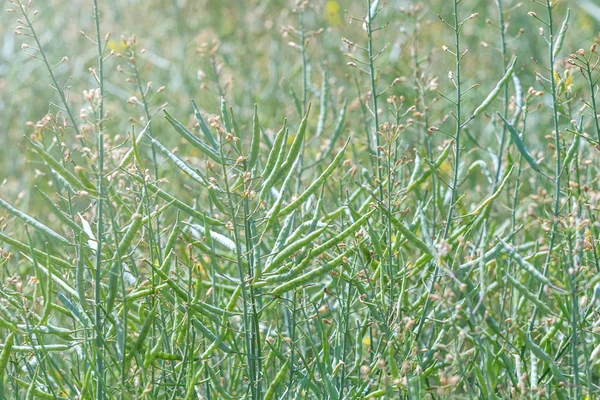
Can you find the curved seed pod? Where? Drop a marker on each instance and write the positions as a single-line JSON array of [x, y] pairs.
[[122, 249], [520, 145], [411, 237], [179, 163], [7, 324], [193, 140], [296, 146], [303, 279], [323, 104], [129, 155], [317, 251], [518, 98], [494, 195], [292, 248], [272, 390], [145, 330], [5, 356], [270, 180], [221, 239], [275, 210], [574, 149], [416, 169], [339, 125], [561, 35], [66, 219], [150, 355], [204, 128], [542, 355], [438, 162], [284, 233], [530, 269], [316, 184], [33, 222], [494, 93], [529, 295], [57, 167], [225, 116], [254, 147], [178, 203], [276, 149]]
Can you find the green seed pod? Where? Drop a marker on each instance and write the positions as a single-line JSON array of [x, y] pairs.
[[193, 140], [204, 128], [530, 269], [5, 356], [294, 152], [520, 145], [58, 168], [179, 163], [316, 184], [558, 44], [272, 390], [33, 222], [254, 147], [323, 104], [496, 91]]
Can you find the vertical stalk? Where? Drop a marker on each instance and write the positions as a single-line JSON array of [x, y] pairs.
[[370, 17], [100, 226], [458, 120]]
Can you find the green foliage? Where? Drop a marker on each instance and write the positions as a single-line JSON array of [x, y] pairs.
[[394, 244]]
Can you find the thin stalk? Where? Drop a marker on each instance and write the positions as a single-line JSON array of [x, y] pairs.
[[556, 211], [369, 24], [99, 216], [250, 356], [453, 188]]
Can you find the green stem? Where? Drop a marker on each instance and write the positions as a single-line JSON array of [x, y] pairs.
[[99, 211]]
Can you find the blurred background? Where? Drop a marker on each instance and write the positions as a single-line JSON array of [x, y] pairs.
[[247, 51]]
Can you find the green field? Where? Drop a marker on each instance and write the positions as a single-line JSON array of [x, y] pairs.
[[323, 199]]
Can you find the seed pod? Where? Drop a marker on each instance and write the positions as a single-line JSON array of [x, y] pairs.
[[541, 354], [295, 148], [59, 169], [179, 163], [339, 124], [5, 356], [254, 147], [494, 93], [316, 184], [66, 219], [529, 295], [79, 279], [573, 150], [129, 155], [33, 222], [274, 154], [225, 116], [193, 140], [292, 248], [272, 390], [411, 237], [493, 197], [122, 249], [303, 279], [204, 128], [178, 203], [520, 145], [518, 98], [561, 35], [530, 269], [323, 104]]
